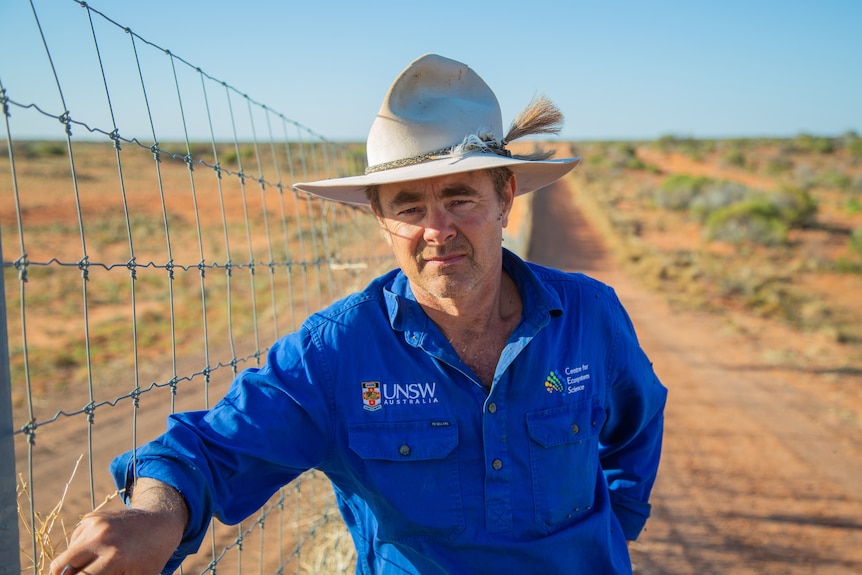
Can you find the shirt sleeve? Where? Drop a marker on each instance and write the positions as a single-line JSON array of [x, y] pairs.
[[630, 442], [272, 425]]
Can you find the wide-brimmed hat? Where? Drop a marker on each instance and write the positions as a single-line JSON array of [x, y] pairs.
[[439, 118]]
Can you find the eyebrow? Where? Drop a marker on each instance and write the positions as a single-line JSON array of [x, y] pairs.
[[405, 197]]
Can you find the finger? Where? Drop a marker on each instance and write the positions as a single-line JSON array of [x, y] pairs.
[[71, 563]]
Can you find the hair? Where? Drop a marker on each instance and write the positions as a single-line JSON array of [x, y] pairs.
[[499, 178]]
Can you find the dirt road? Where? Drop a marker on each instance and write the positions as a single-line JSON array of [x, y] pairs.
[[762, 462]]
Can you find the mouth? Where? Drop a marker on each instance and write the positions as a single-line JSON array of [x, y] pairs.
[[444, 260]]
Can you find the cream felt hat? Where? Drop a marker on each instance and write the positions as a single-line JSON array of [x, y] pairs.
[[438, 118]]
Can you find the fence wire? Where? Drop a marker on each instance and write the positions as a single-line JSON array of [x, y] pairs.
[[143, 271]]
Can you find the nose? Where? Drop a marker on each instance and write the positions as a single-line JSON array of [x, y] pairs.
[[439, 226]]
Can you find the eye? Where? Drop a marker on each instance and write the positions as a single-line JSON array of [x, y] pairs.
[[460, 204], [409, 213]]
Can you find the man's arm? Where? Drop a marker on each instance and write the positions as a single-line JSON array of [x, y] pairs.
[[134, 541]]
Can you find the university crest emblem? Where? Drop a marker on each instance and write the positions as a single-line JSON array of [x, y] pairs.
[[371, 395]]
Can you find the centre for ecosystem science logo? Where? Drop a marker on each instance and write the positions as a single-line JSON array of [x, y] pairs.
[[569, 381]]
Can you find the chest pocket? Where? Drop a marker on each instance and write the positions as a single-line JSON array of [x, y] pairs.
[[564, 457], [411, 476]]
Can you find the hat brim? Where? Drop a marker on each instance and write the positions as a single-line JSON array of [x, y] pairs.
[[531, 175]]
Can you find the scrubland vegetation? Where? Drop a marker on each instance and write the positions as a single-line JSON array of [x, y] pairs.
[[771, 227]]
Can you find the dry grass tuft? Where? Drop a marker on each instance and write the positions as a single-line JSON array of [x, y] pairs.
[[41, 529]]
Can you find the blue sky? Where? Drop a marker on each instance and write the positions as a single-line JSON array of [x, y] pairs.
[[617, 69]]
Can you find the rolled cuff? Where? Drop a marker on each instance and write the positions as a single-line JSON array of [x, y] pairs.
[[183, 478]]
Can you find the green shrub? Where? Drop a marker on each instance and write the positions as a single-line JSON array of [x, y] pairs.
[[718, 195], [809, 143], [678, 190], [836, 180], [756, 220], [761, 219], [856, 242], [796, 207], [778, 165], [44, 149], [734, 158]]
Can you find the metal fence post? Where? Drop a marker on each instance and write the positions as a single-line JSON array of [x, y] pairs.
[[10, 561]]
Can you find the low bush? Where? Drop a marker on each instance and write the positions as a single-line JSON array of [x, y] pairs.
[[778, 165], [809, 143], [855, 242], [679, 190], [836, 180], [756, 220], [763, 219], [734, 158], [44, 149], [796, 207], [854, 148], [717, 195]]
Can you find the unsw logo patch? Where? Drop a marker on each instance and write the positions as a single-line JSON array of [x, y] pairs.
[[376, 395], [371, 395]]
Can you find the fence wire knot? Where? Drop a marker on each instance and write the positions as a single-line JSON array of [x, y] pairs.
[[189, 162], [156, 152], [170, 267], [29, 429], [133, 268], [21, 264], [66, 119], [202, 268], [4, 100], [84, 266], [136, 397], [90, 410], [115, 136]]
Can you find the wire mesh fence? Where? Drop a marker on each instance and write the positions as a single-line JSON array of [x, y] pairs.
[[152, 247]]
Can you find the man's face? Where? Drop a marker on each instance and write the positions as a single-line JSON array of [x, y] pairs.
[[446, 232]]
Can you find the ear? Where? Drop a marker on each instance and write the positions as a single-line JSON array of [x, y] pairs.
[[507, 199]]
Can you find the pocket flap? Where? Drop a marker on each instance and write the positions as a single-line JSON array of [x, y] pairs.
[[403, 441], [565, 424]]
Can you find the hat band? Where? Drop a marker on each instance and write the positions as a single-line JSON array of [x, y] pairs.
[[471, 143]]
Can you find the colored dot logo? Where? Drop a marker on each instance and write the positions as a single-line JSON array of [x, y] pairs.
[[553, 383]]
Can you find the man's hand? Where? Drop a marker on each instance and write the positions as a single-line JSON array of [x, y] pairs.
[[135, 541]]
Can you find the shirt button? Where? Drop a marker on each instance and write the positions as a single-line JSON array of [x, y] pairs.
[[404, 450], [575, 428], [492, 408], [497, 464]]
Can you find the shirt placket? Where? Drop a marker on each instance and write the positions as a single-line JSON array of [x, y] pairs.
[[500, 472]]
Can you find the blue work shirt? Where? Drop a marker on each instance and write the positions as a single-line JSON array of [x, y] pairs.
[[550, 471]]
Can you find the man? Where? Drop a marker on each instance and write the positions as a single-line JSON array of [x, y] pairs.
[[475, 413]]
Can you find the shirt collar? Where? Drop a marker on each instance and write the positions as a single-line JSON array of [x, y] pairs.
[[539, 302]]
